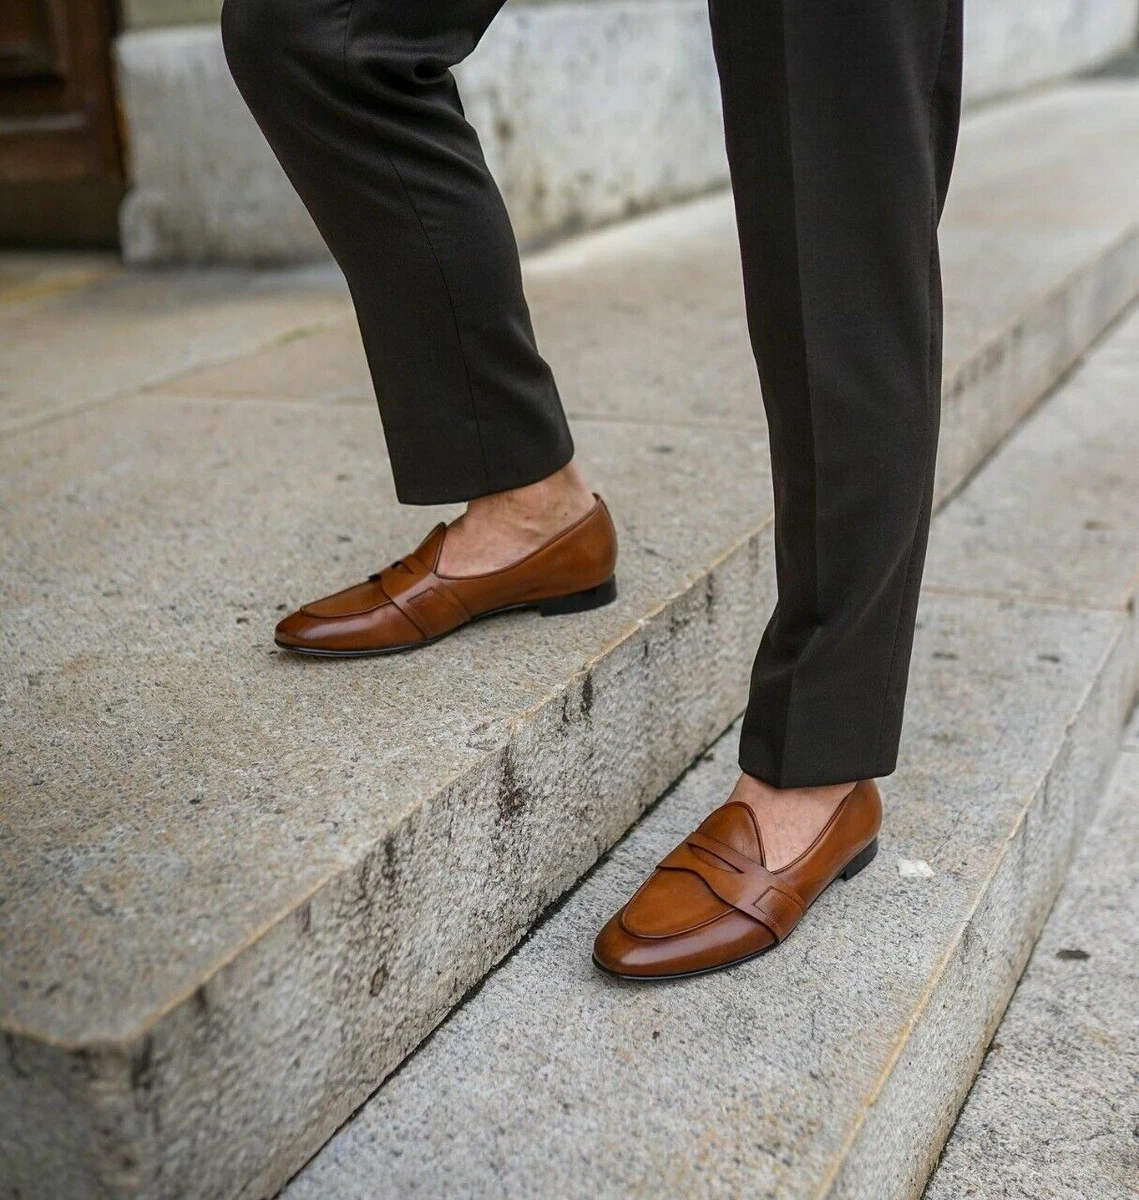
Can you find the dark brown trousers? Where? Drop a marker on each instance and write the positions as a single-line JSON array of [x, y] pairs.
[[841, 121]]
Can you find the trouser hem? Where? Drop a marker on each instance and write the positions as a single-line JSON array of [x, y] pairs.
[[432, 486], [830, 765]]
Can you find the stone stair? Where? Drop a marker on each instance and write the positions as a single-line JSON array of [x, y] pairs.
[[836, 1066], [1052, 1111], [240, 889]]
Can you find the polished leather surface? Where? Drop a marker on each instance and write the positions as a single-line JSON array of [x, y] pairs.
[[409, 603], [712, 902]]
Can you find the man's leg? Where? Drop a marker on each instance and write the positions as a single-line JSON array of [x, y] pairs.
[[359, 104], [841, 121]]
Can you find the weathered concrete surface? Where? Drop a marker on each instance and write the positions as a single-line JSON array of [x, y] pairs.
[[1059, 519], [209, 843], [587, 111], [836, 1066], [1053, 1111], [1010, 45], [64, 348]]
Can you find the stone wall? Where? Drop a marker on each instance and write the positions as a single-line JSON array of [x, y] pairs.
[[588, 110]]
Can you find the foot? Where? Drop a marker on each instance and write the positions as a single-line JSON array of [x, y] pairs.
[[739, 884], [415, 601], [791, 818], [496, 531]]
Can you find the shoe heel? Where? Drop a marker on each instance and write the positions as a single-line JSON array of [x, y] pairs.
[[862, 859], [557, 606]]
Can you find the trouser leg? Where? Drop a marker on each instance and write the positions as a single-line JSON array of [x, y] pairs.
[[841, 121], [359, 104]]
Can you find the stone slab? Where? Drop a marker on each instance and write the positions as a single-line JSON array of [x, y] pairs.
[[1056, 517], [63, 348], [587, 110], [1010, 46], [1052, 1112], [798, 1075]]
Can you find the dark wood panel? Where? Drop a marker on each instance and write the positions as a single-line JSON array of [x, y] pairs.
[[59, 135], [33, 40]]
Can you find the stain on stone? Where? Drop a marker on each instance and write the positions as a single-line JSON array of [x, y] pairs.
[[504, 129], [379, 978], [142, 1065], [950, 655], [709, 596], [662, 449], [13, 1062], [511, 794], [1072, 954], [304, 917], [364, 881], [1052, 658], [587, 695], [390, 868], [678, 620], [201, 1001]]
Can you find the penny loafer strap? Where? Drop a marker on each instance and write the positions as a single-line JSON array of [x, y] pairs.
[[423, 598], [740, 881]]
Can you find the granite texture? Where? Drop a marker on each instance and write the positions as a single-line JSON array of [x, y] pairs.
[[836, 1067], [1054, 1111], [830, 1067], [238, 888]]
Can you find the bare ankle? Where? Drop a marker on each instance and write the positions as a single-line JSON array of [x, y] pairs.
[[499, 529], [541, 507], [790, 818]]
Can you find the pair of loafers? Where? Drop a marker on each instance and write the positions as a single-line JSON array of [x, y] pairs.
[[712, 902]]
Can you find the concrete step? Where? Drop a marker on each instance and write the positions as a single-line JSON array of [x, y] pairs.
[[1052, 1112], [835, 1066], [238, 889]]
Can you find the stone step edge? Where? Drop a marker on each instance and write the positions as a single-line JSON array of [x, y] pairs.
[[907, 1118]]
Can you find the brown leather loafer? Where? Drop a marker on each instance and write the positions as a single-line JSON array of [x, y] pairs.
[[409, 604], [712, 903]]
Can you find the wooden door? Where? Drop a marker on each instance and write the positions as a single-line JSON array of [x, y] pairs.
[[61, 168]]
